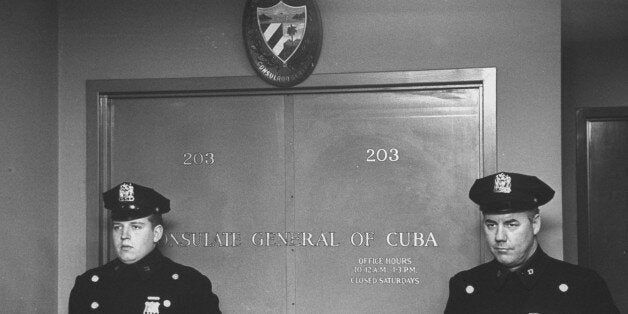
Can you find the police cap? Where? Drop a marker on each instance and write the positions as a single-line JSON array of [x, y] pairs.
[[508, 192], [128, 201]]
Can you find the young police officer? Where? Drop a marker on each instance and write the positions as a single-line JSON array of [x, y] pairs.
[[522, 278], [141, 280]]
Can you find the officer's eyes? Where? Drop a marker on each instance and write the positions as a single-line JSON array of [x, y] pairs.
[[134, 227], [490, 225], [513, 225]]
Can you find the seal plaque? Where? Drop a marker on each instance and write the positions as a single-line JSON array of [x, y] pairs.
[[282, 39]]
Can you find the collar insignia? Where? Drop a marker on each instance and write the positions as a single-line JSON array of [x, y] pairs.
[[502, 183], [126, 193]]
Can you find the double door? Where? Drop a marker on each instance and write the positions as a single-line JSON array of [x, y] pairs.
[[321, 200]]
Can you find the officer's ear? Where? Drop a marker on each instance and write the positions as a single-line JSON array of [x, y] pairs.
[[536, 223], [158, 232]]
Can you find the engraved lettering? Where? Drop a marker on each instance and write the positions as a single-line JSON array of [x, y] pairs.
[[325, 239], [198, 159], [407, 239], [359, 239], [381, 155]]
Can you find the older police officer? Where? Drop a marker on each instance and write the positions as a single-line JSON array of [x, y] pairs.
[[522, 278], [141, 280]]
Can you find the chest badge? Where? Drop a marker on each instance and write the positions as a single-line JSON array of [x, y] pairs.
[[151, 306]]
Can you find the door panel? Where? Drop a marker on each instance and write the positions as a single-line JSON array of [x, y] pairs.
[[221, 162], [392, 166]]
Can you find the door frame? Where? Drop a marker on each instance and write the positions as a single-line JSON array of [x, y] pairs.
[[583, 117], [99, 92]]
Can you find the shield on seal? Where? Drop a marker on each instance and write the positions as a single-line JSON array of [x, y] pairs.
[[282, 27]]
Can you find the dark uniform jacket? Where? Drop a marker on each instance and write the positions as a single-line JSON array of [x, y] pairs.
[[544, 285], [154, 284]]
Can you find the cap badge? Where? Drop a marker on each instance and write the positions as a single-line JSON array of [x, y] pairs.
[[126, 193], [502, 183]]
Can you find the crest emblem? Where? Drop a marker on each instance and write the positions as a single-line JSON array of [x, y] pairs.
[[151, 306], [282, 39], [126, 193], [282, 27], [502, 183]]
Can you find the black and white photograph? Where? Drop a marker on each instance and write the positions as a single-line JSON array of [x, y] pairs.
[[314, 156]]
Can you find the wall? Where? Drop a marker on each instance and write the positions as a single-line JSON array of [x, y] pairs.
[[28, 156], [594, 63], [199, 38]]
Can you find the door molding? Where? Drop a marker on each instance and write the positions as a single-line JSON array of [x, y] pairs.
[[583, 117]]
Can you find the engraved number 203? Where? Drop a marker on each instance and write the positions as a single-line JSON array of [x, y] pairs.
[[198, 159], [374, 155]]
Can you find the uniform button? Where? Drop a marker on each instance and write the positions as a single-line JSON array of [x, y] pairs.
[[530, 271], [95, 278], [469, 289], [175, 276], [95, 305], [563, 287], [167, 303]]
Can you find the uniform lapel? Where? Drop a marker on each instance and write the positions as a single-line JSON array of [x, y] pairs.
[[147, 266], [528, 274]]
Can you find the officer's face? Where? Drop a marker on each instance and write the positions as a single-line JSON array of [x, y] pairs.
[[511, 237], [134, 239]]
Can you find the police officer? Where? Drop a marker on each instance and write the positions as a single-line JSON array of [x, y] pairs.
[[522, 278], [140, 280]]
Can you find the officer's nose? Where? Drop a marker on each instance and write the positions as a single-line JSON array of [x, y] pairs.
[[125, 234], [500, 234]]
